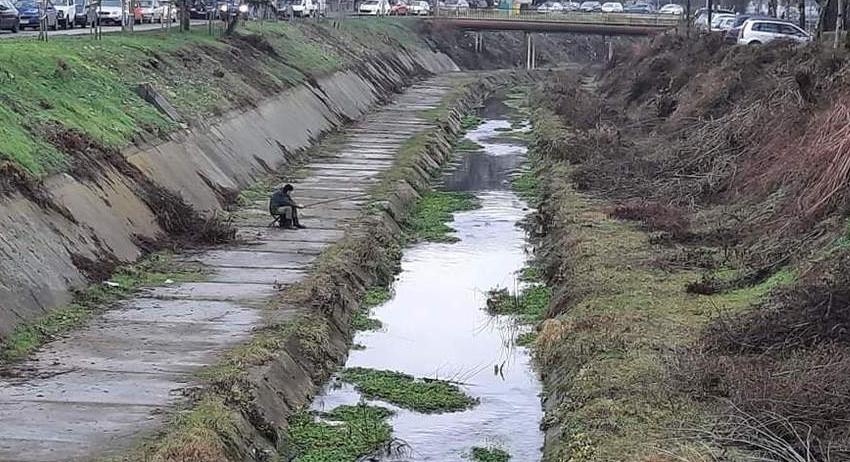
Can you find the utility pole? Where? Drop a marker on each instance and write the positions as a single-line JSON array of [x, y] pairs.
[[709, 6], [801, 6]]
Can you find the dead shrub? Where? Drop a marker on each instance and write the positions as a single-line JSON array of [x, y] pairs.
[[654, 216]]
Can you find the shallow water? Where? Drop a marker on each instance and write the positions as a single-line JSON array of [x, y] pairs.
[[435, 326]]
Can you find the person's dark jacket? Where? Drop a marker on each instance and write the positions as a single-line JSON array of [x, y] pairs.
[[280, 199]]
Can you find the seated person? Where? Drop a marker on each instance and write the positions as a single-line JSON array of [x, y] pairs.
[[281, 205]]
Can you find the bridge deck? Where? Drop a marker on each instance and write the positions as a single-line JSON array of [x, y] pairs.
[[575, 22]]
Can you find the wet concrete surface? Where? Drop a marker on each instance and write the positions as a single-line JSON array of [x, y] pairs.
[[436, 326], [95, 391]]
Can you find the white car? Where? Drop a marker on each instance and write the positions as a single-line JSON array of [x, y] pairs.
[[758, 31], [589, 7], [420, 8], [375, 7], [458, 6], [672, 8], [550, 7], [721, 18], [612, 7], [165, 11], [66, 12], [111, 12], [308, 8]]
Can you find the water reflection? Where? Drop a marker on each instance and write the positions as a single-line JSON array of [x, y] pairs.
[[435, 326]]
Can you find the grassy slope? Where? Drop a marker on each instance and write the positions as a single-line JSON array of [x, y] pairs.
[[89, 86], [605, 354]]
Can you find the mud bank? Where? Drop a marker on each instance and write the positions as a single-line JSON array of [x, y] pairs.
[[257, 397], [108, 215]]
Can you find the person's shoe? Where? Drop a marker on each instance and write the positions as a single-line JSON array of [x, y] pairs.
[[299, 226]]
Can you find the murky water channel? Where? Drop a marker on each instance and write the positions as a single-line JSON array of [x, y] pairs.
[[435, 326]]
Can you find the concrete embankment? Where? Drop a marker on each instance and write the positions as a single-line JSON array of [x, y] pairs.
[[75, 221], [97, 391]]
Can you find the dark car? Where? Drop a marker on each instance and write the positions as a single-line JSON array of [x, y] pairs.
[[31, 11], [732, 34], [639, 8], [9, 17]]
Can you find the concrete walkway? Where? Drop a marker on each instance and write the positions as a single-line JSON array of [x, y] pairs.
[[94, 392]]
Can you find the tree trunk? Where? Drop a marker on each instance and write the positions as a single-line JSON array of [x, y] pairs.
[[801, 6]]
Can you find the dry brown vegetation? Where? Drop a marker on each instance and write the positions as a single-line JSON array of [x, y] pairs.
[[736, 162]]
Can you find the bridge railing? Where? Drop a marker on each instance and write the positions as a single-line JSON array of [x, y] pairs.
[[574, 17]]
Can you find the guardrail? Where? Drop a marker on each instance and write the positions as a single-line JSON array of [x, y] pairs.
[[572, 17]]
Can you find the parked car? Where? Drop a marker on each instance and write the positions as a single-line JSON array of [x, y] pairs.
[[571, 6], [733, 32], [31, 10], [758, 31], [374, 7], [66, 10], [10, 18], [701, 17], [672, 8], [459, 6], [588, 7], [639, 8], [550, 7], [166, 10], [420, 8], [110, 12], [612, 7], [722, 19], [399, 9], [85, 13]]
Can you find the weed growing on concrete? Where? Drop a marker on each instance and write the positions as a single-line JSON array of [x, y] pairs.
[[345, 433], [491, 454], [153, 270], [422, 395], [434, 209], [201, 436]]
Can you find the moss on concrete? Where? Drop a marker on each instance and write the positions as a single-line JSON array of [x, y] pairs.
[[154, 270]]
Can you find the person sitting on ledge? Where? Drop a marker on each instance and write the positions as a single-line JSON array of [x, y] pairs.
[[284, 209]]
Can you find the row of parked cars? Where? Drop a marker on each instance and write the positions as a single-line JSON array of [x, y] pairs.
[[750, 29], [607, 7], [67, 14], [398, 7]]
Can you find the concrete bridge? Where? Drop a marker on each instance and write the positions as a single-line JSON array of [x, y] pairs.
[[575, 22]]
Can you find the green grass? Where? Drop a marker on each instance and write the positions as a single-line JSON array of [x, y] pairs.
[[76, 83], [373, 297], [480, 454], [343, 434], [428, 220], [527, 186], [421, 395], [153, 270], [529, 305], [469, 122]]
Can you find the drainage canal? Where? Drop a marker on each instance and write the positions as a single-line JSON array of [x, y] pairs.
[[435, 326]]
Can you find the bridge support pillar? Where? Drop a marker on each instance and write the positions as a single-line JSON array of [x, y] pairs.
[[479, 41], [530, 58]]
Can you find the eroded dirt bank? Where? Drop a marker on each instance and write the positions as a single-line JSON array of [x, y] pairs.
[[693, 229]]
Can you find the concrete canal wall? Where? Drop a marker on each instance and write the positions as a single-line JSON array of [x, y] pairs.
[[50, 237]]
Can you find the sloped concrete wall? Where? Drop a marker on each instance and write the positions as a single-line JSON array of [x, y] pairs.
[[103, 219]]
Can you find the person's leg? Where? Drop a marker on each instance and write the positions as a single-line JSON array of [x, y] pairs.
[[295, 222], [285, 217]]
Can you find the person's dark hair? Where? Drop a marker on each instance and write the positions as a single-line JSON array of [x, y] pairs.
[[287, 188]]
